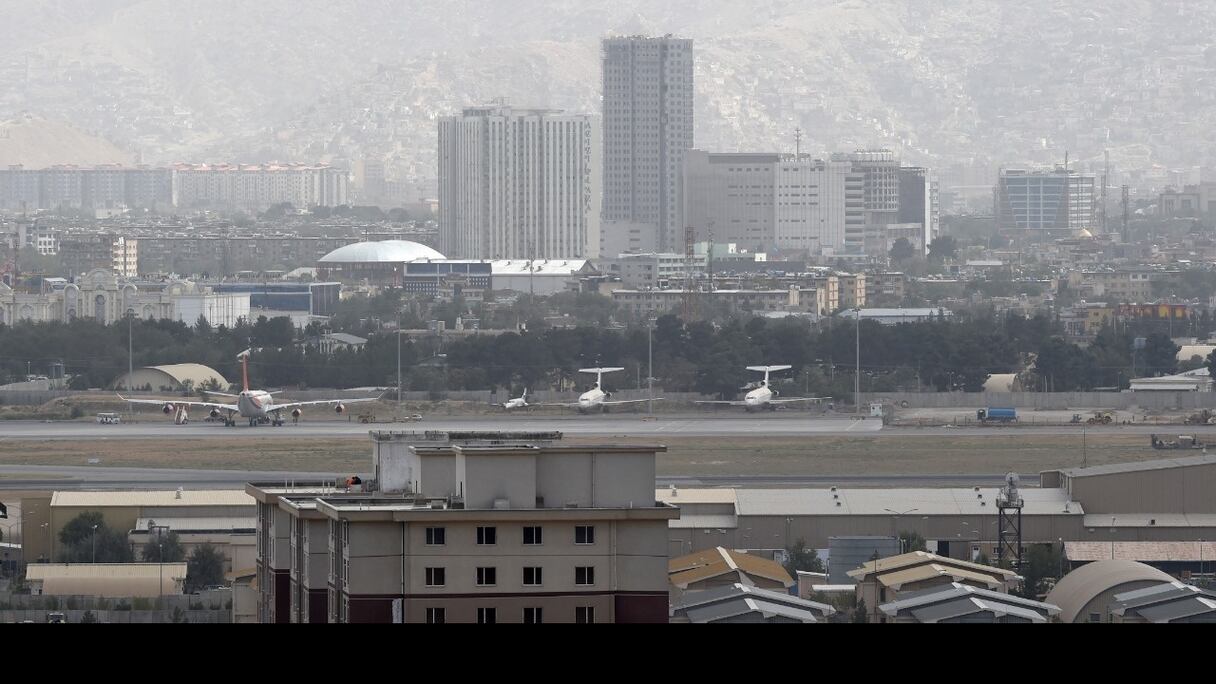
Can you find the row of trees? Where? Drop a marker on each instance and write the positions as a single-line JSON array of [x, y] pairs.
[[944, 355], [88, 539]]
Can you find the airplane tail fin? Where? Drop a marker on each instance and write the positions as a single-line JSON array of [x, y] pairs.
[[244, 357]]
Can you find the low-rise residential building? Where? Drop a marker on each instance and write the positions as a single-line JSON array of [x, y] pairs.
[[964, 603], [651, 302], [885, 580], [719, 567], [741, 602]]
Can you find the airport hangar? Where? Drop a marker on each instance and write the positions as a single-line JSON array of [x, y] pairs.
[[1147, 501]]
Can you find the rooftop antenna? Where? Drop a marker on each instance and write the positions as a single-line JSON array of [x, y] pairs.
[[798, 143], [1126, 192]]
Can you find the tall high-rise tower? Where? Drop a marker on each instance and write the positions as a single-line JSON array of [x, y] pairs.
[[518, 184], [648, 125]]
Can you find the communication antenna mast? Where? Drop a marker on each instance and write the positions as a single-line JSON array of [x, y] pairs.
[[1009, 522], [798, 143], [1105, 181], [1125, 204]]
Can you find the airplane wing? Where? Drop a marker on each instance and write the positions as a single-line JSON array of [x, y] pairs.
[[162, 402], [794, 399], [723, 403], [571, 404], [629, 401], [294, 404]]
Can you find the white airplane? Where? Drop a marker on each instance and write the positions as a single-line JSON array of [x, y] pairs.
[[763, 396], [518, 402], [256, 405], [596, 399]]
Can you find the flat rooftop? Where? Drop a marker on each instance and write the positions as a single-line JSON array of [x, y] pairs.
[[943, 501]]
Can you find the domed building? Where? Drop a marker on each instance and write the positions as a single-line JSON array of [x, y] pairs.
[[377, 262]]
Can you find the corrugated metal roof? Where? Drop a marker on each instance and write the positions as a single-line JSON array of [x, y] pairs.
[[1080, 586], [1177, 610], [926, 501], [699, 495], [1139, 466], [188, 525], [913, 558], [1103, 520], [716, 562], [718, 594], [1141, 551], [696, 522], [189, 497], [957, 590], [920, 573], [112, 580]]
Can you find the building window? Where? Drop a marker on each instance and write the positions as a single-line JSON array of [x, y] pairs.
[[532, 535], [1095, 617], [487, 536], [487, 577], [533, 616], [584, 576], [435, 577], [584, 534], [436, 616], [532, 577], [487, 616], [584, 615], [435, 536]]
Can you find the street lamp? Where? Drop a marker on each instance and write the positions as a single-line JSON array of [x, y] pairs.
[[95, 543], [650, 363], [857, 355], [47, 526], [1112, 537], [895, 523]]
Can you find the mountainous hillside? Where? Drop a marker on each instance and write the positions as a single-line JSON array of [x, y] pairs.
[[946, 82]]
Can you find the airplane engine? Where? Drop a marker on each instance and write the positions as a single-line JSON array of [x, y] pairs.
[[215, 413], [339, 409], [167, 408], [296, 413]]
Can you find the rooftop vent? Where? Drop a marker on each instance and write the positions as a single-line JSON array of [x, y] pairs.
[[837, 503], [178, 495]]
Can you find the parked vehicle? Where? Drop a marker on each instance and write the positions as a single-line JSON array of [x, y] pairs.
[[109, 418], [997, 415]]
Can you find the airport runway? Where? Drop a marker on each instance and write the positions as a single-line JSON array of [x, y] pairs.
[[596, 426], [622, 425], [32, 477]]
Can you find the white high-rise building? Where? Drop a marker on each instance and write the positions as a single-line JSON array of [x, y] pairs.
[[648, 127], [519, 184]]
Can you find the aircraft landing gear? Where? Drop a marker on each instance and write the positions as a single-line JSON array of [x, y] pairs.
[[253, 422], [277, 422]]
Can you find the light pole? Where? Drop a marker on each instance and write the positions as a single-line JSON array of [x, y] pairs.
[[1112, 537], [399, 367], [47, 526], [650, 364], [857, 355], [895, 523], [95, 544]]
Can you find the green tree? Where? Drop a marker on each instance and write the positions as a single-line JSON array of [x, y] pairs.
[[205, 568], [1041, 562], [911, 541], [87, 537], [860, 615], [168, 549], [1160, 354], [901, 250], [88, 618], [799, 557], [943, 247]]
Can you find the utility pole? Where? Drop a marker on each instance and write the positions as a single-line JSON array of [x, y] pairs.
[[650, 364], [1126, 193], [130, 360], [399, 367], [857, 355]]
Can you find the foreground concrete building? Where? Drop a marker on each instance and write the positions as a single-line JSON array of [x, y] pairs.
[[504, 533]]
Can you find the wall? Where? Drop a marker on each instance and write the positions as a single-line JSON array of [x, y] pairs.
[[1048, 400]]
